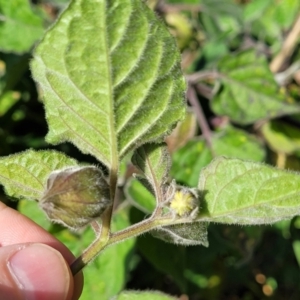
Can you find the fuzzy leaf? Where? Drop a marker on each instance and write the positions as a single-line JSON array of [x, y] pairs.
[[20, 27], [111, 78], [24, 174], [249, 91], [240, 192], [154, 161], [183, 234]]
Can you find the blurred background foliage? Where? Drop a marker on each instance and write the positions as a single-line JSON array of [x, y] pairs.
[[241, 59]]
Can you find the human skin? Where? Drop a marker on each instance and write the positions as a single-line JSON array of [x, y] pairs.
[[33, 264]]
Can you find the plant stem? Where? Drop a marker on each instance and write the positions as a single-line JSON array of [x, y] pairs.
[[104, 235], [288, 47], [88, 255], [193, 99], [202, 75], [138, 229], [132, 231]]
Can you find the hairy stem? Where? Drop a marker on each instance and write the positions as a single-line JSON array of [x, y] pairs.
[[132, 231]]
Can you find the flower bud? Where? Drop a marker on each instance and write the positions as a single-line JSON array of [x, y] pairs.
[[75, 196]]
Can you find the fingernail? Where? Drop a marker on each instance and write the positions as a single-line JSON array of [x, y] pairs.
[[40, 272]]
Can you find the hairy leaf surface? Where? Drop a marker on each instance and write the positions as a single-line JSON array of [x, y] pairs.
[[154, 161], [183, 234], [240, 192], [111, 78], [24, 174]]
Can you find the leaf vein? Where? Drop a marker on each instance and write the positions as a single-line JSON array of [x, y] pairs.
[[76, 114], [87, 143]]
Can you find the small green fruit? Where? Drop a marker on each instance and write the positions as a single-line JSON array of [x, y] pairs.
[[75, 196]]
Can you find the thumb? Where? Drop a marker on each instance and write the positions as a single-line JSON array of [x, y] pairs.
[[34, 271]]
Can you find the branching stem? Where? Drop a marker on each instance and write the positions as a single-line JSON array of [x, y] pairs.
[[132, 231]]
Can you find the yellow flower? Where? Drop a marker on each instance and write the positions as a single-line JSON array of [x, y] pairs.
[[183, 202]]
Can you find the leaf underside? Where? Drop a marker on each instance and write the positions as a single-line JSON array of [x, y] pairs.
[[241, 192], [183, 234], [154, 161], [111, 78]]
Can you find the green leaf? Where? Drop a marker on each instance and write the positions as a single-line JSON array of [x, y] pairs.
[[20, 27], [284, 13], [188, 161], [249, 92], [24, 174], [269, 19], [111, 78], [183, 234], [221, 20], [136, 295], [140, 196], [33, 211], [281, 137], [256, 9], [154, 161], [236, 143], [218, 8], [240, 192]]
